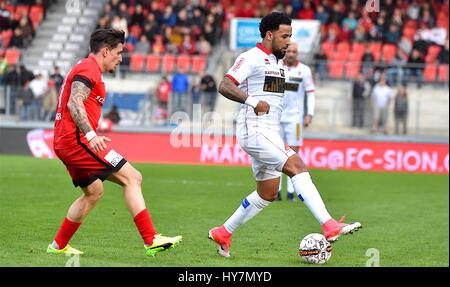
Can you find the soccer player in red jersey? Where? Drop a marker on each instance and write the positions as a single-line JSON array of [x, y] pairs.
[[87, 156]]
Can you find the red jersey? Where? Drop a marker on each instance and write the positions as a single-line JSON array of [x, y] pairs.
[[66, 132]]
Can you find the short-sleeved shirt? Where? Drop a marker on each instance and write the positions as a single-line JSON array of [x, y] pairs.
[[257, 73], [299, 81], [71, 146], [382, 95], [88, 72]]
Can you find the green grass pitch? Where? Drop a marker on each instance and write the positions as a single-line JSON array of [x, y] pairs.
[[405, 217]]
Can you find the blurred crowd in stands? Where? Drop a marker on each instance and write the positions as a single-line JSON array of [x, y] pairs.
[[388, 43]]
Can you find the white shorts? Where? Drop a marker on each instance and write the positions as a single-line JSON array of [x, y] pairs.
[[292, 133], [266, 149]]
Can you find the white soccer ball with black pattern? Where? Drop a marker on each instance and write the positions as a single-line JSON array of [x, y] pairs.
[[315, 249]]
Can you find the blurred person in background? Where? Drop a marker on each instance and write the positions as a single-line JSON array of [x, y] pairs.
[[401, 110], [195, 92], [11, 81], [380, 100], [57, 78], [113, 115], [298, 106], [143, 46], [394, 74], [415, 67], [38, 86], [49, 101], [25, 101], [321, 64], [163, 92], [180, 89], [208, 90], [360, 91], [443, 54]]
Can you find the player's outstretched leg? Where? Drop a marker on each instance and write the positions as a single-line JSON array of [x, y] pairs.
[[249, 208], [308, 193], [131, 180], [79, 209]]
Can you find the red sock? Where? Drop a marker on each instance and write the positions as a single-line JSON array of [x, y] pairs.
[[65, 232], [145, 226]]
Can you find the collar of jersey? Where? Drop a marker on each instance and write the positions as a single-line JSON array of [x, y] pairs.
[[262, 48], [95, 61]]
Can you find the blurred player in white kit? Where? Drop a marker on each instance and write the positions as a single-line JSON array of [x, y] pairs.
[[299, 82]]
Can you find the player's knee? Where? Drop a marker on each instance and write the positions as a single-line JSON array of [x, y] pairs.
[[294, 166], [94, 195], [137, 178]]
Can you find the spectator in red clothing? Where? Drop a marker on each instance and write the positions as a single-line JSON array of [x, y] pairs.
[[158, 46], [307, 11], [246, 11], [366, 21], [163, 92], [187, 46], [346, 33]]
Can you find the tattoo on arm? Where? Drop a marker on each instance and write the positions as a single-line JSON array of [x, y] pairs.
[[230, 91], [78, 95]]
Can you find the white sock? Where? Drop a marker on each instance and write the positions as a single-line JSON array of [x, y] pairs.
[[307, 192], [251, 206], [290, 186], [280, 187]]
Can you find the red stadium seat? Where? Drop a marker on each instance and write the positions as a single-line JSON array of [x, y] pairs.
[[129, 47], [352, 70], [22, 9], [358, 48], [429, 73], [153, 62], [375, 48], [328, 48], [355, 57], [12, 56], [2, 52], [168, 63], [36, 15], [430, 60], [411, 23], [336, 69], [433, 51], [409, 32], [184, 63], [137, 62], [343, 47], [10, 8], [340, 55], [6, 36], [199, 63], [389, 51], [443, 73]]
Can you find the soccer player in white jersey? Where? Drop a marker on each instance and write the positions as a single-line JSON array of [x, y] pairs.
[[299, 82], [256, 80]]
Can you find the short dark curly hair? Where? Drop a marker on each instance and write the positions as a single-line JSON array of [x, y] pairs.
[[105, 38], [272, 22]]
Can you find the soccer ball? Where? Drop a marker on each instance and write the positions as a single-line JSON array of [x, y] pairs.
[[315, 249]]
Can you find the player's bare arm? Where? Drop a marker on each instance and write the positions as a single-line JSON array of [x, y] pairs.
[[78, 95], [230, 91]]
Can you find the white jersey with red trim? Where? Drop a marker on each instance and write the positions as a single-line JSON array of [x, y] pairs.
[[299, 81], [257, 73]]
